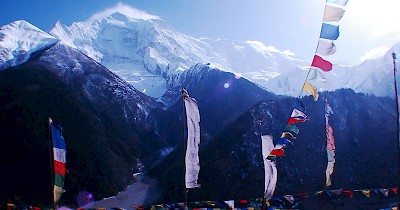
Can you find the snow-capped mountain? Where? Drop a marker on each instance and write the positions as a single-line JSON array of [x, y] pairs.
[[146, 52], [143, 50], [18, 40], [373, 76]]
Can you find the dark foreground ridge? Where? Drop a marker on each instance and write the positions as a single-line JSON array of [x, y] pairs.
[[384, 199]]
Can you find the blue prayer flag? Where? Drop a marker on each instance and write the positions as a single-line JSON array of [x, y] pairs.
[[56, 134], [284, 141], [329, 31]]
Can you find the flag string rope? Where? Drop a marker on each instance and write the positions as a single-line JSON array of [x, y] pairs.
[[315, 52]]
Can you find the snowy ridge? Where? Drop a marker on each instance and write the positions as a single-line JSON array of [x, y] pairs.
[[18, 40], [373, 76], [145, 52]]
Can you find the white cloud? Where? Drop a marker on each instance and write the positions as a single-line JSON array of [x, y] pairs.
[[374, 53], [288, 53], [260, 47], [123, 9]]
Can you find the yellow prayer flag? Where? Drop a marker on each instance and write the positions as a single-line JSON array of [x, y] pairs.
[[287, 134], [366, 193], [57, 191], [311, 89]]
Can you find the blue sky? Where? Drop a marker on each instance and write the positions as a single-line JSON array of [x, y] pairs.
[[368, 28]]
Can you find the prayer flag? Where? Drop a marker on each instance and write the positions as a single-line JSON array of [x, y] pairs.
[[366, 193], [328, 109], [288, 135], [330, 139], [330, 144], [333, 13], [291, 128], [297, 116], [59, 160], [271, 174], [289, 198], [278, 152], [316, 74], [338, 2], [311, 89], [231, 204], [279, 146], [322, 64], [299, 106], [329, 31], [348, 193], [330, 166], [326, 47], [385, 192], [193, 141], [284, 141]]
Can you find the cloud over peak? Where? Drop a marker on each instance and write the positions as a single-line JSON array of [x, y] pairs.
[[125, 10]]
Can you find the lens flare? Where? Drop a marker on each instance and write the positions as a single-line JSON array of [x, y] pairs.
[[238, 76]]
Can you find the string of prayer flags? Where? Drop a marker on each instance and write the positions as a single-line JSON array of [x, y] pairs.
[[333, 13], [290, 132]]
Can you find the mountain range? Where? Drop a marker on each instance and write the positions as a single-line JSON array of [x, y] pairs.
[[114, 83]]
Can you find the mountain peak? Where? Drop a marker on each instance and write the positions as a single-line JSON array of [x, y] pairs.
[[125, 10], [18, 40], [21, 25]]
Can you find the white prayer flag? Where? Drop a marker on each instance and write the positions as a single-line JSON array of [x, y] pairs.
[[193, 140], [271, 173]]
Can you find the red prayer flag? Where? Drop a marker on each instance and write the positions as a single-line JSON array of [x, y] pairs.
[[277, 152], [59, 168], [348, 192], [321, 63]]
